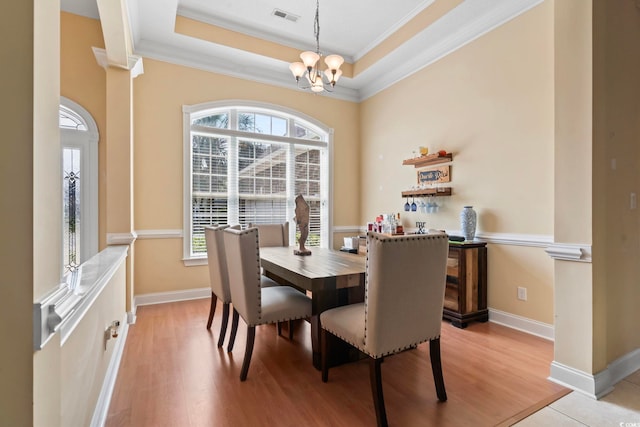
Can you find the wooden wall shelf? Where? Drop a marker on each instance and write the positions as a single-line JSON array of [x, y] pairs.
[[428, 160], [442, 191]]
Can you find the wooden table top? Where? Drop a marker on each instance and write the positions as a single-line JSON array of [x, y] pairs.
[[322, 263]]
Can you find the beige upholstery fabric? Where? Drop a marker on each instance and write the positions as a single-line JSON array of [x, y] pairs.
[[258, 305], [218, 275], [405, 283], [272, 234]]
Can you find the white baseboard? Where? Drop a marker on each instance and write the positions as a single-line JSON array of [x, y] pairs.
[[600, 384], [533, 327], [624, 366], [173, 296], [104, 399], [593, 386]]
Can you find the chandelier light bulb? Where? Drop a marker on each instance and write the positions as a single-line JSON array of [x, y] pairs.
[[309, 59], [297, 69], [334, 61], [332, 75], [317, 85]]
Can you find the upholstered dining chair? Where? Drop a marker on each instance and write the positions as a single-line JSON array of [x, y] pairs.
[[218, 276], [404, 296], [257, 304], [272, 234]]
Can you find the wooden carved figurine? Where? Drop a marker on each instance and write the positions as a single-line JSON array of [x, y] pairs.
[[302, 219]]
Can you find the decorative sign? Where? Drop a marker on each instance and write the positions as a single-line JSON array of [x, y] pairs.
[[441, 174]]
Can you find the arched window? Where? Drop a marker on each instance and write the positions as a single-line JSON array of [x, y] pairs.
[[246, 162], [79, 142]]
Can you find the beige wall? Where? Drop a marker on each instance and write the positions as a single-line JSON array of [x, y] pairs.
[[83, 81], [47, 200], [159, 95], [491, 104], [576, 344], [16, 169], [617, 57], [31, 214]]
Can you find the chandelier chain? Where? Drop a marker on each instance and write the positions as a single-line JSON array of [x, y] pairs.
[[316, 27]]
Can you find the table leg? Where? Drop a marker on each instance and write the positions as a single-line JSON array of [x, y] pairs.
[[338, 351]]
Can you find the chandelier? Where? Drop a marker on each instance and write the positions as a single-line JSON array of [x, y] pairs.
[[309, 68]]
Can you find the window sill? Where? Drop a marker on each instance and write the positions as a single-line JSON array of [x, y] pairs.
[[195, 261]]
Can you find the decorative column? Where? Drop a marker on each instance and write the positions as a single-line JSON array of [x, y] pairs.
[[579, 347], [119, 161]]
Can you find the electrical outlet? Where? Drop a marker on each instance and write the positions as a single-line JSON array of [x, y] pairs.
[[522, 293]]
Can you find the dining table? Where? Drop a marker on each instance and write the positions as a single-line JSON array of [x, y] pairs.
[[333, 278]]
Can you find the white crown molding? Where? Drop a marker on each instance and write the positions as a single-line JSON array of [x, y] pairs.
[[121, 238], [258, 69], [463, 24], [416, 10], [198, 15], [454, 30], [530, 326]]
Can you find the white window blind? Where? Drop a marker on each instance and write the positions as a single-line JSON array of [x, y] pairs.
[[246, 167]]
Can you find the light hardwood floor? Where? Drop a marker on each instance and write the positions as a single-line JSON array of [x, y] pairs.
[[173, 374]]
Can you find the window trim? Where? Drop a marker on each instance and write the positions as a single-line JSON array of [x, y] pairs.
[[189, 110], [87, 142]]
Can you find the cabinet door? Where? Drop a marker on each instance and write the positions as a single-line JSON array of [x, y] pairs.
[[451, 292]]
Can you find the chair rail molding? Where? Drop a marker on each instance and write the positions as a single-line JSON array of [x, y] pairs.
[[159, 234], [121, 238], [569, 252]]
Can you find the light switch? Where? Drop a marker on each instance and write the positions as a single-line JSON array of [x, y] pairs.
[[633, 202]]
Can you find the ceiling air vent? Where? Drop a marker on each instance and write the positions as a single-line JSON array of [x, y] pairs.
[[285, 15]]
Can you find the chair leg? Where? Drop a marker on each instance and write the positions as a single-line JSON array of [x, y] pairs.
[[290, 330], [375, 377], [436, 367], [279, 327], [234, 330], [225, 321], [251, 335], [212, 310], [323, 355]]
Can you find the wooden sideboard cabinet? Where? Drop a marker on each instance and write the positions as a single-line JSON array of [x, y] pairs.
[[465, 297]]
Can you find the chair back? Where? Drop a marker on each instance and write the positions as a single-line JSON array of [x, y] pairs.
[[405, 284], [272, 234], [243, 264], [217, 260]]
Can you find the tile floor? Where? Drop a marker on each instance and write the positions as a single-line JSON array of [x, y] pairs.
[[620, 408]]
